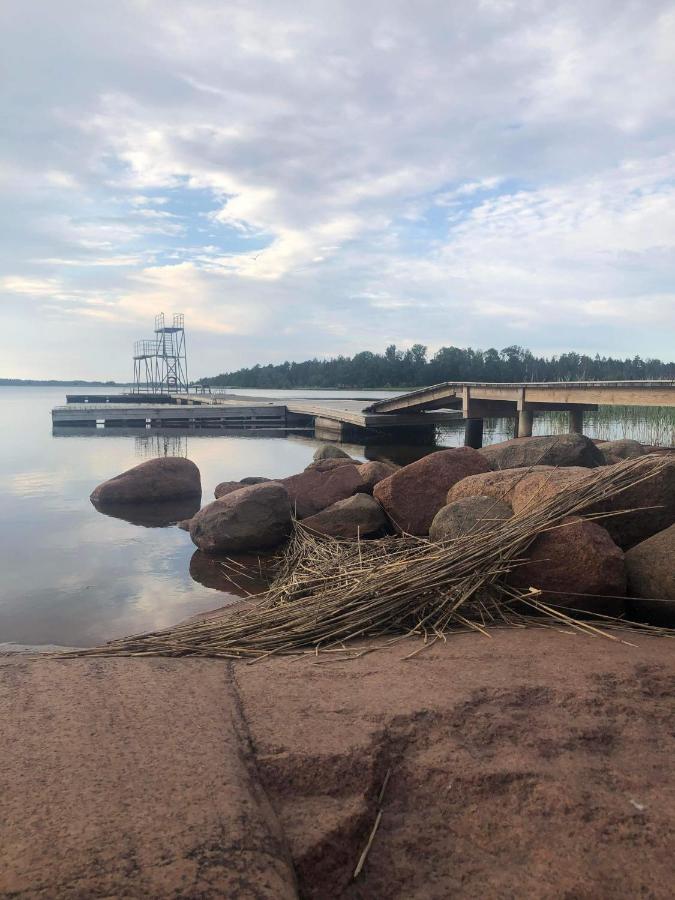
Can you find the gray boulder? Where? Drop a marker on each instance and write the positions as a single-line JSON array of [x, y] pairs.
[[547, 450], [615, 451], [329, 451], [252, 518], [468, 516], [168, 478], [254, 479], [357, 516]]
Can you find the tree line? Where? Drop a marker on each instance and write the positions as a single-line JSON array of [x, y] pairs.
[[414, 368]]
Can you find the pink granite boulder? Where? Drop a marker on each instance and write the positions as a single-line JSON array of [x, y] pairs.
[[412, 496]]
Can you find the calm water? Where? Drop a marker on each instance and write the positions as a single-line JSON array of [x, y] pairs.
[[73, 576]]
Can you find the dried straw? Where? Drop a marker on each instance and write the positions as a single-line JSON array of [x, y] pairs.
[[328, 592]]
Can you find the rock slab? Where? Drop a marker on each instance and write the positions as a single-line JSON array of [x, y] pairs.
[[412, 496], [132, 778], [546, 450], [168, 478], [255, 517]]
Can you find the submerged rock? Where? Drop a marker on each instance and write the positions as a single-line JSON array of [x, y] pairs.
[[168, 478], [549, 450], [577, 565], [255, 517], [413, 495], [469, 515], [315, 489], [329, 451], [651, 578], [357, 516]]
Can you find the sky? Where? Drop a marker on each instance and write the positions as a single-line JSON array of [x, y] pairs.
[[312, 179]]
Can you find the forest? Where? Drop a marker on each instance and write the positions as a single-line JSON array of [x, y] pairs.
[[414, 368]]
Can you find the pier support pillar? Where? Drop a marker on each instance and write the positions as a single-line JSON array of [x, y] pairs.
[[576, 421], [473, 433], [524, 425], [329, 429]]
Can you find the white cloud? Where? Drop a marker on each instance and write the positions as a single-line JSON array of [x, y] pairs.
[[325, 180]]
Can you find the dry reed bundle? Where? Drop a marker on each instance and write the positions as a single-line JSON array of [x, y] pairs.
[[330, 592]]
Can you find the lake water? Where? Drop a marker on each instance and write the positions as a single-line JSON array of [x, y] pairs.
[[75, 577]]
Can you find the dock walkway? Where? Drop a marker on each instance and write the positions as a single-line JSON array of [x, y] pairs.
[[480, 400]]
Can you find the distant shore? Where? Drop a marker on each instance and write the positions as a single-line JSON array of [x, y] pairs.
[[34, 382]]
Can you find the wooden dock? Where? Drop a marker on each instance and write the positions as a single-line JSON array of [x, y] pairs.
[[330, 419], [480, 400]]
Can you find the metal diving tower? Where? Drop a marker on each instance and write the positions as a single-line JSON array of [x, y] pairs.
[[160, 364]]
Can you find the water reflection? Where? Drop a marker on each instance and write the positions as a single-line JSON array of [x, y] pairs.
[[151, 445], [241, 575], [151, 515]]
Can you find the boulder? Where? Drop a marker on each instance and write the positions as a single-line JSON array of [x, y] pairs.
[[227, 487], [329, 451], [615, 451], [326, 465], [548, 450], [468, 516], [255, 517], [656, 494], [314, 490], [168, 478], [413, 495], [254, 479], [184, 524], [357, 516], [497, 484], [373, 472], [537, 487], [578, 558], [651, 578]]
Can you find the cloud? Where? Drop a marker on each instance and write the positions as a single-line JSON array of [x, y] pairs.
[[320, 181]]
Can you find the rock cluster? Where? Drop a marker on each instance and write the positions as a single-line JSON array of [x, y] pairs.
[[446, 495]]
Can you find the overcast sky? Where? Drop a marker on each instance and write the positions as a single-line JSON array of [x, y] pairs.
[[308, 179]]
